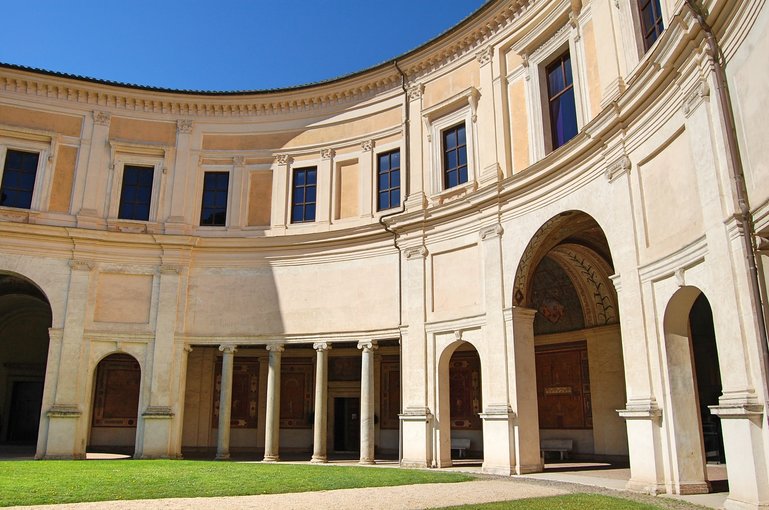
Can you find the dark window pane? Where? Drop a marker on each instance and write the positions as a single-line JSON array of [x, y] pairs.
[[461, 135], [384, 162], [214, 201], [303, 195], [451, 159], [462, 157], [299, 179], [18, 178], [395, 197], [384, 202], [567, 77], [395, 178], [312, 176], [555, 80], [395, 159], [296, 213], [309, 212], [309, 194], [450, 139], [451, 179], [462, 174], [384, 181], [299, 195]]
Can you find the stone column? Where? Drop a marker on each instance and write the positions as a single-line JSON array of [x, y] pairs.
[[486, 156], [367, 402], [321, 402], [272, 421], [225, 402], [324, 181]]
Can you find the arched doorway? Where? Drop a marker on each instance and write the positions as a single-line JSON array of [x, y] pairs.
[[117, 382], [694, 382], [564, 275], [461, 403], [25, 316]]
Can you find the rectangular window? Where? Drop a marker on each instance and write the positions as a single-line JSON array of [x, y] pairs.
[[651, 21], [562, 107], [136, 193], [389, 180], [454, 156], [18, 178], [303, 195], [213, 211]]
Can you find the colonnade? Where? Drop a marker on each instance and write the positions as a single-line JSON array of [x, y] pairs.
[[272, 421]]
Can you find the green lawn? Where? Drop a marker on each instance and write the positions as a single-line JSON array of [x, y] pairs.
[[45, 482], [567, 502]]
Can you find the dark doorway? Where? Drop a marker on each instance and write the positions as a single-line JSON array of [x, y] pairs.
[[26, 400], [346, 424], [708, 376]]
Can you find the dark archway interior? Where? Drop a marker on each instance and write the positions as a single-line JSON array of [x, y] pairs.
[[25, 316], [708, 375], [466, 404], [116, 404]]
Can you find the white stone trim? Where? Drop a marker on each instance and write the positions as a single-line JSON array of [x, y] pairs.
[[44, 146]]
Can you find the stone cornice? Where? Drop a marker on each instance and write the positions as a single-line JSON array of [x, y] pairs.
[[465, 39]]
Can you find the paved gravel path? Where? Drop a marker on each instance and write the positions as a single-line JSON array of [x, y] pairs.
[[403, 497]]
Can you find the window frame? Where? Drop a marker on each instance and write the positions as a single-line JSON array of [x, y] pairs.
[[44, 150], [457, 149], [120, 161], [389, 190], [445, 115], [227, 207], [658, 20], [630, 28], [292, 204], [550, 97], [135, 203]]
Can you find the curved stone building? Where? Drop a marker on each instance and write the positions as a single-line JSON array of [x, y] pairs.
[[542, 232]]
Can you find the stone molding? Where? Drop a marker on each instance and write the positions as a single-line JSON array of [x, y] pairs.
[[327, 153], [641, 409], [64, 411], [415, 92], [159, 412], [239, 161], [698, 95], [367, 145]]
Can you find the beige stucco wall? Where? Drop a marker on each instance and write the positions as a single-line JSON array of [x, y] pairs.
[[69, 125], [61, 189]]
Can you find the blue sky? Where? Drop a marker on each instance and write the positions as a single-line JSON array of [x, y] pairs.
[[221, 45]]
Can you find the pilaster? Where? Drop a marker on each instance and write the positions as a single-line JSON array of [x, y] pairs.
[[92, 212], [488, 165], [180, 204]]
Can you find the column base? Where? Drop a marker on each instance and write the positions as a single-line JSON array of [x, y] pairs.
[[652, 488], [271, 458], [366, 462], [689, 488], [222, 456], [317, 459]]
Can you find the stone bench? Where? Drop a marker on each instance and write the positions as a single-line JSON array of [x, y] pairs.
[[461, 446], [562, 446]]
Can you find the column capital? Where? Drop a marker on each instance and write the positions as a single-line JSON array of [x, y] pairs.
[[81, 264], [521, 313], [367, 345], [101, 118], [184, 126], [491, 232], [275, 347], [228, 348], [321, 346]]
